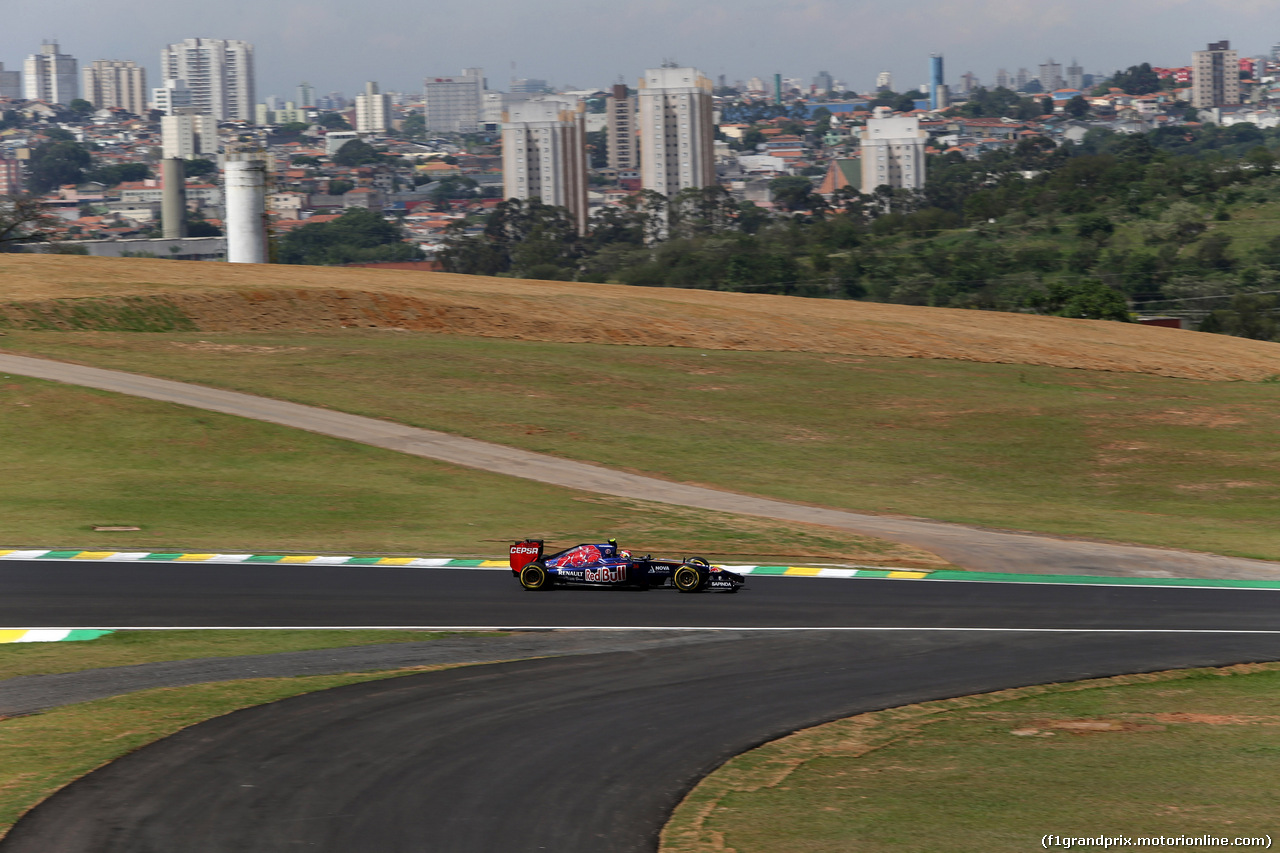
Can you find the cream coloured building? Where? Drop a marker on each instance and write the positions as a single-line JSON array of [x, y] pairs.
[[544, 154], [1215, 76], [893, 152], [218, 73], [372, 110], [116, 84], [677, 137]]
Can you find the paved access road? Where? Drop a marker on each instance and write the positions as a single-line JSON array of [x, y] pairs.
[[53, 593], [973, 548], [584, 754]]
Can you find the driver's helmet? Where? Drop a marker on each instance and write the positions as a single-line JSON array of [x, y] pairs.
[[626, 555]]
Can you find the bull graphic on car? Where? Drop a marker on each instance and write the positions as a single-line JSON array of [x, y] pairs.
[[608, 565]]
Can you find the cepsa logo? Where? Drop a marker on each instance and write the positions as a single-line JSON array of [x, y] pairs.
[[524, 549], [606, 574]]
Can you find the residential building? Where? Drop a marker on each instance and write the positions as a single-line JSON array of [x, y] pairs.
[[1021, 80], [116, 84], [529, 86], [372, 110], [1075, 75], [454, 104], [171, 97], [893, 152], [1051, 76], [968, 82], [306, 94], [884, 81], [624, 148], [823, 83], [218, 72], [10, 84], [10, 177], [1004, 80], [50, 76], [544, 154], [189, 135], [677, 149], [1215, 76]]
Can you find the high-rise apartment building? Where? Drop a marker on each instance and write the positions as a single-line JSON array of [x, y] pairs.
[[10, 176], [454, 104], [677, 140], [188, 136], [1021, 80], [1075, 75], [50, 76], [1215, 76], [116, 84], [620, 117], [306, 95], [1004, 80], [10, 84], [893, 152], [171, 97], [884, 81], [218, 72], [544, 154], [824, 83], [372, 110], [937, 83], [1051, 76]]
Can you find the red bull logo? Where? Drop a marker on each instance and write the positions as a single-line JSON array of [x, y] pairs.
[[607, 574]]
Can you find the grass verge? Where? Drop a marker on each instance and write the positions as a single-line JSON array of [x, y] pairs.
[[76, 458], [127, 648], [1118, 456], [1189, 752], [44, 752]]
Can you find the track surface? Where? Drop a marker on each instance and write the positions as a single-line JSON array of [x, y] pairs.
[[51, 593], [576, 755], [965, 546]]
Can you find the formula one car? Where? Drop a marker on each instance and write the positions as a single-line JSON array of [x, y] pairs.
[[610, 566]]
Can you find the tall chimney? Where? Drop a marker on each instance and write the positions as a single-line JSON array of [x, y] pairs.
[[245, 185], [173, 201]]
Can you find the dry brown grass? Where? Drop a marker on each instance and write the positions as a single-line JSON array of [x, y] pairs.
[[224, 297]]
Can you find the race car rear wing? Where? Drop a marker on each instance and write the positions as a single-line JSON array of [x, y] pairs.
[[525, 552]]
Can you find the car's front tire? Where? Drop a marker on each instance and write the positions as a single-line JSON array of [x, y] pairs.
[[687, 579], [534, 577]]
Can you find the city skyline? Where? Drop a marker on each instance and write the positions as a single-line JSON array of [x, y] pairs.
[[321, 42]]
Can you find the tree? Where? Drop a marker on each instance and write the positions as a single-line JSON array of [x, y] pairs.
[[1088, 299], [118, 173], [1251, 315], [56, 163], [357, 152], [23, 219], [333, 121], [793, 192], [80, 107], [357, 235], [199, 166], [1078, 107]]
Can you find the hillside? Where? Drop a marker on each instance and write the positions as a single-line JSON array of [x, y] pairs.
[[69, 292]]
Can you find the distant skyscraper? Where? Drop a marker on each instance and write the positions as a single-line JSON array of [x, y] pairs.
[[893, 152], [544, 154], [968, 82], [529, 86], [620, 113], [306, 94], [1075, 75], [937, 82], [1004, 80], [677, 139], [116, 84], [823, 83], [1022, 79], [171, 97], [10, 84], [454, 104], [1051, 76], [372, 110], [50, 76], [218, 72], [884, 81], [1215, 76]]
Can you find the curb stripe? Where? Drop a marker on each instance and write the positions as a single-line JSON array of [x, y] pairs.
[[50, 635], [877, 572]]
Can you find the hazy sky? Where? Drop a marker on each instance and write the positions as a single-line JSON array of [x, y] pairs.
[[338, 44]]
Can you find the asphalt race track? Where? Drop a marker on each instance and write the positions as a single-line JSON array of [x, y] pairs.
[[53, 593], [576, 755]]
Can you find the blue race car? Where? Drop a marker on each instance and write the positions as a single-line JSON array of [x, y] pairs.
[[610, 566]]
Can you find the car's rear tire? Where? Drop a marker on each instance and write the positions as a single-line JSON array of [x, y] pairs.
[[534, 577], [687, 579]]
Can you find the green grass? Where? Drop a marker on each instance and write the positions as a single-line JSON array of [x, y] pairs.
[[41, 753], [75, 458], [128, 648], [1117, 456], [1189, 753]]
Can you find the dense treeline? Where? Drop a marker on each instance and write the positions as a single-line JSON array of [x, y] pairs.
[[1167, 220]]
